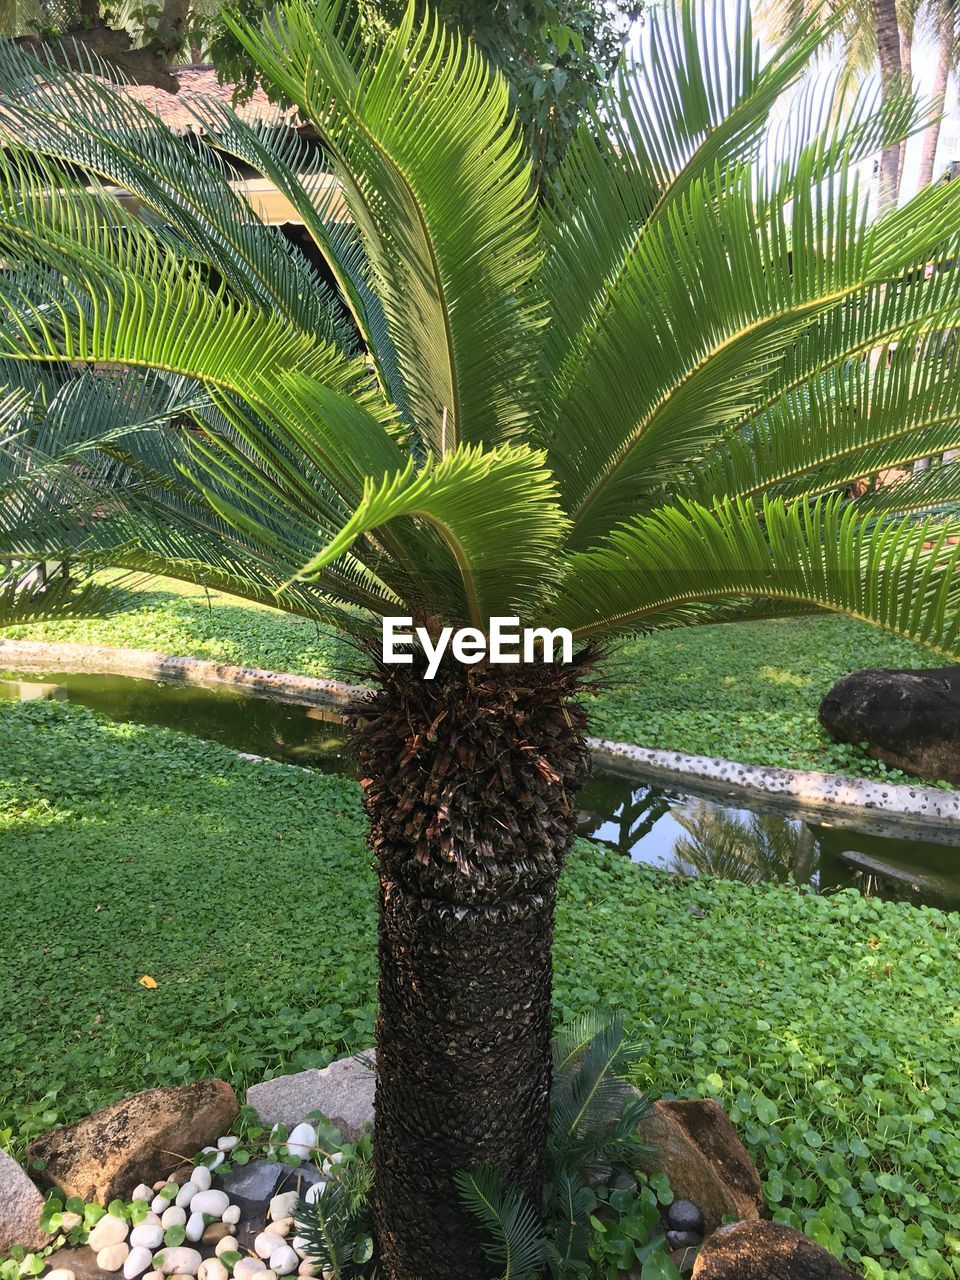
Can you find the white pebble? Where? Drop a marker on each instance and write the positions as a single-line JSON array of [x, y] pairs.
[[60, 1273], [281, 1226], [219, 1157], [314, 1192], [138, 1261], [301, 1246], [266, 1275], [212, 1269], [231, 1216], [186, 1194], [248, 1267], [283, 1205], [159, 1203], [113, 1256], [267, 1243], [213, 1202], [284, 1261], [307, 1269], [302, 1141], [200, 1177], [179, 1262], [108, 1231], [195, 1227], [153, 1275], [70, 1220], [227, 1245], [228, 1142], [147, 1235], [142, 1192], [173, 1217]]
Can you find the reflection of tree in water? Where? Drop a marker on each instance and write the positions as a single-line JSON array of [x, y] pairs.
[[608, 798], [756, 848]]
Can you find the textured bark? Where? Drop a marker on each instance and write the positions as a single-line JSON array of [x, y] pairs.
[[150, 65], [931, 138], [469, 782], [891, 76]]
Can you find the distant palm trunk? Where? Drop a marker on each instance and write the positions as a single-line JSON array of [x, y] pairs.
[[931, 138], [906, 69], [891, 75]]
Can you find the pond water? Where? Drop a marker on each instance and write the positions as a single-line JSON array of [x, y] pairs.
[[682, 832]]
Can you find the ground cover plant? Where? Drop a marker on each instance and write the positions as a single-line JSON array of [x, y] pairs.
[[245, 892], [746, 692], [643, 401]]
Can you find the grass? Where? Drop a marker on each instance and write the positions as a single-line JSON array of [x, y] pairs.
[[828, 1027], [746, 692]]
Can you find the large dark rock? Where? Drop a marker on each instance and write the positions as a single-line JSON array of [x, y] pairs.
[[765, 1251], [140, 1139], [909, 719]]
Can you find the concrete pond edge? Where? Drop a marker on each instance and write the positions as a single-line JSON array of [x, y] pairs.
[[846, 800]]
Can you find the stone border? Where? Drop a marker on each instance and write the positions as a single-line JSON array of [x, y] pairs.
[[811, 794]]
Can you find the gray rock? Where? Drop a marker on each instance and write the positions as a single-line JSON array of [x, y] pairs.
[[622, 1181], [683, 1215], [683, 1239], [342, 1092], [20, 1207], [254, 1181]]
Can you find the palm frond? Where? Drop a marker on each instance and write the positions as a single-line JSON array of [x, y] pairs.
[[513, 1228], [897, 573], [434, 171]]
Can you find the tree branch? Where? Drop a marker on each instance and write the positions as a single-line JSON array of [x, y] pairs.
[[149, 64]]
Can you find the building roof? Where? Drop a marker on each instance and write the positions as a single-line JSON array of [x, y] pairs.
[[199, 83]]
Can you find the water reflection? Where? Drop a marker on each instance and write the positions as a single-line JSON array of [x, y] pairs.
[[693, 835]]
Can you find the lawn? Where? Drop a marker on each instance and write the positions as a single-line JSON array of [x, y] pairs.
[[745, 692], [245, 892]]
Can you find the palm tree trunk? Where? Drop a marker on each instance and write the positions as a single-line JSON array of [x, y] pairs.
[[891, 77], [468, 782], [931, 137], [906, 70]]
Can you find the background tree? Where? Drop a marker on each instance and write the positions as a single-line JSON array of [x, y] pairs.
[[639, 402]]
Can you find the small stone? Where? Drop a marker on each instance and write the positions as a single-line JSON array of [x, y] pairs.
[[683, 1215], [266, 1275], [179, 1262], [113, 1256], [195, 1227], [683, 1239], [70, 1220], [281, 1226], [227, 1245], [212, 1269], [153, 1275], [621, 1181], [201, 1177], [255, 1181], [300, 1245], [186, 1194], [328, 1164], [218, 1157], [231, 1216], [213, 1202], [302, 1141], [142, 1192], [315, 1192], [267, 1243], [147, 1235], [284, 1205], [108, 1231], [138, 1261], [158, 1186], [284, 1261], [60, 1273], [173, 1217], [248, 1267], [307, 1269], [215, 1232], [159, 1203], [228, 1142]]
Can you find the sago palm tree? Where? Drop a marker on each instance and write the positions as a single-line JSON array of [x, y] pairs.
[[641, 403]]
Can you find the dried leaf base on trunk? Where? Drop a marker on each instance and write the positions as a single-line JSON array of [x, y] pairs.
[[469, 782]]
